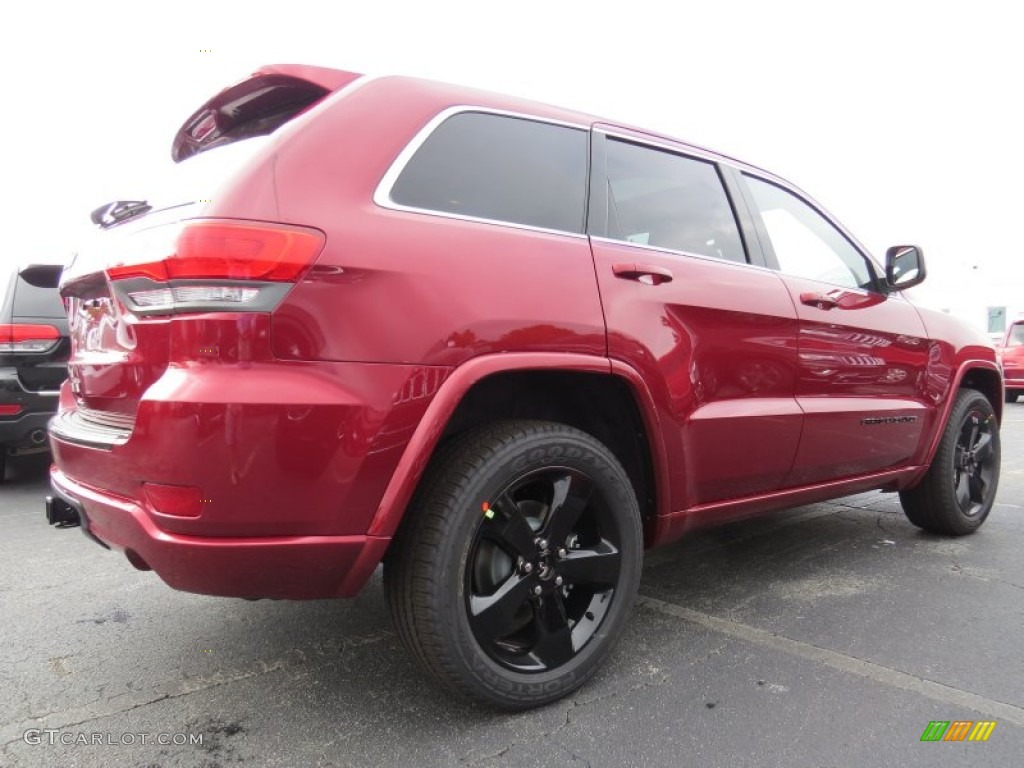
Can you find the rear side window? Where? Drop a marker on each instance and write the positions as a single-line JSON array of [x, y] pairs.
[[502, 168], [670, 201], [35, 294], [1015, 338]]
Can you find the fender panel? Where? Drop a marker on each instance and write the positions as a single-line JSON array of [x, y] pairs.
[[421, 446], [963, 369]]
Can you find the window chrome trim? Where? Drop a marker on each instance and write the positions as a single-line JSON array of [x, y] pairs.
[[754, 172], [767, 177], [684, 254], [382, 194], [665, 145]]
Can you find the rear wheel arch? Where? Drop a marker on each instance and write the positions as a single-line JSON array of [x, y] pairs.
[[603, 406], [584, 395]]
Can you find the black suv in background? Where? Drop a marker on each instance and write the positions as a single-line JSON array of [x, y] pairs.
[[33, 356]]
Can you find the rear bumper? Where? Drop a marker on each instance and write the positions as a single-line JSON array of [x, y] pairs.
[[287, 464], [287, 567], [27, 430]]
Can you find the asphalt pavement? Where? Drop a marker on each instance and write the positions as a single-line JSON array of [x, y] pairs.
[[827, 635]]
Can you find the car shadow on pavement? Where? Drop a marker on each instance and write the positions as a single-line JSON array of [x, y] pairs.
[[23, 471]]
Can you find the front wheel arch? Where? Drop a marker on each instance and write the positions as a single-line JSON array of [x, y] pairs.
[[956, 494]]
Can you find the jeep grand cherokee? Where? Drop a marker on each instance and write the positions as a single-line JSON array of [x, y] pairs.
[[503, 348]]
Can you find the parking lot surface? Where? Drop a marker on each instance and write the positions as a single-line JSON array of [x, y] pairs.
[[828, 635]]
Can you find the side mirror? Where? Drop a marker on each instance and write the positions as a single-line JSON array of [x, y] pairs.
[[904, 267]]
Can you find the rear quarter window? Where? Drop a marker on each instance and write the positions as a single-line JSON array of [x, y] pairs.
[[35, 293], [500, 168]]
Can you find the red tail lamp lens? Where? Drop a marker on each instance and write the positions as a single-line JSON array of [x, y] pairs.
[[23, 337], [231, 251]]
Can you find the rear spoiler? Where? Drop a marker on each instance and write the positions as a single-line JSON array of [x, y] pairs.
[[256, 106]]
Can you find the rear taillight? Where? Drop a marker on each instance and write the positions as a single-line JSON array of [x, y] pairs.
[[25, 339], [213, 265]]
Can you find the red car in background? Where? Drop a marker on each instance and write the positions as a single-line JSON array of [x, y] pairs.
[[500, 346], [1011, 356]]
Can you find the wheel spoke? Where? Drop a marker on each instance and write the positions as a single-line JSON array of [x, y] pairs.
[[554, 638], [492, 615], [599, 565], [966, 445], [512, 532], [976, 484], [963, 493], [983, 449], [959, 456], [571, 494]]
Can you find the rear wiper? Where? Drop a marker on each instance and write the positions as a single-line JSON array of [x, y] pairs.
[[114, 213]]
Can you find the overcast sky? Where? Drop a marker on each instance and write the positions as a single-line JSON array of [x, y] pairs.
[[902, 118]]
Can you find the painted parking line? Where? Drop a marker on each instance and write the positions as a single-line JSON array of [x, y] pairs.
[[894, 678]]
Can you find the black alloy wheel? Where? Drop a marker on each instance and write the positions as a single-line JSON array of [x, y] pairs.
[[974, 463], [542, 569], [958, 491], [514, 572]]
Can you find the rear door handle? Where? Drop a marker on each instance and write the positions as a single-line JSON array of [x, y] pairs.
[[643, 273], [819, 300]]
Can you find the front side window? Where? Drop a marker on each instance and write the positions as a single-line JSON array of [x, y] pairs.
[[659, 198], [806, 244], [502, 168]]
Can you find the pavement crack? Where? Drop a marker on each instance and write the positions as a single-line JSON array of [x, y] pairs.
[[566, 722], [491, 756], [293, 657]]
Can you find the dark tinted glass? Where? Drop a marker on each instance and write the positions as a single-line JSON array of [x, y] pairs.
[[670, 201], [36, 300], [503, 168]]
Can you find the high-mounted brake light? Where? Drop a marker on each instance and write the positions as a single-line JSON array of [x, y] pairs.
[[213, 265], [22, 338]]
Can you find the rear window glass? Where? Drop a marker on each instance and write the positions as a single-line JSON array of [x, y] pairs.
[[38, 298], [501, 168]]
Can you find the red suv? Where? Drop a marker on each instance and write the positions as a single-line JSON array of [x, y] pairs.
[[1011, 355], [500, 347]]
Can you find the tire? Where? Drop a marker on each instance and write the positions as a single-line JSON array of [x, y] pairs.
[[1012, 395], [957, 493], [508, 511]]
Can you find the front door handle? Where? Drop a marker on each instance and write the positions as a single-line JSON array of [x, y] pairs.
[[643, 273], [819, 300]]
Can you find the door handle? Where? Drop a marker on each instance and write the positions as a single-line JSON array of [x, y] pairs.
[[643, 273], [819, 300]]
